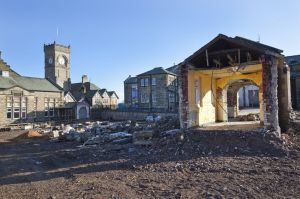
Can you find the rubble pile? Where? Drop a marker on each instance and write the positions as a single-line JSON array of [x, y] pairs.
[[164, 135], [248, 117], [105, 132], [29, 134]]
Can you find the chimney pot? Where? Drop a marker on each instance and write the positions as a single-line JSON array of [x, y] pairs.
[[84, 78]]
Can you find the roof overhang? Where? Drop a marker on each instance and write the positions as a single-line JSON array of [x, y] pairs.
[[224, 51]]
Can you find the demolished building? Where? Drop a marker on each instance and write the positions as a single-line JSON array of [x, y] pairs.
[[210, 78]]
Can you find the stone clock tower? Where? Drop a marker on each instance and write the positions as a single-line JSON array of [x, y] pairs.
[[57, 64]]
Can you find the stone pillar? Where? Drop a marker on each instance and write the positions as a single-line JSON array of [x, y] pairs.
[[231, 103], [183, 95], [261, 104], [284, 94], [270, 99], [222, 104]]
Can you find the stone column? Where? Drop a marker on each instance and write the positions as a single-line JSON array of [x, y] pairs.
[[183, 95], [270, 97], [231, 102], [284, 94], [222, 104]]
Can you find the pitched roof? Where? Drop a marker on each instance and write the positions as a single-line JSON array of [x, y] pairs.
[[130, 80], [173, 69], [292, 60], [5, 67], [102, 91], [90, 94], [110, 93], [28, 83], [156, 71], [88, 86], [78, 96], [222, 45]]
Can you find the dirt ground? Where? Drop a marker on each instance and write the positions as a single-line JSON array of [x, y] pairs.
[[203, 165]]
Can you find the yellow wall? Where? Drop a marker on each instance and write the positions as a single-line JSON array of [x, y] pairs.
[[205, 111], [209, 110]]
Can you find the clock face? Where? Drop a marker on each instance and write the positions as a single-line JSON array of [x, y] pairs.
[[61, 60], [50, 60]]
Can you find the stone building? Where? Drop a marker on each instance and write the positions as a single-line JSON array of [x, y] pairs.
[[294, 63], [96, 97], [57, 65], [27, 99], [154, 90], [210, 78], [113, 100], [131, 98]]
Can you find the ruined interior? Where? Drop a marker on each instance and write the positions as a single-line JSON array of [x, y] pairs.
[[211, 77]]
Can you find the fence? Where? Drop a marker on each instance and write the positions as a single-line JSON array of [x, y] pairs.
[[129, 115]]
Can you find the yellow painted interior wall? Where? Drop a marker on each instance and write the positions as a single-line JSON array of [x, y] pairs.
[[209, 110], [205, 111]]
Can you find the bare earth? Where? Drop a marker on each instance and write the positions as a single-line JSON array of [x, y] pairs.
[[204, 165]]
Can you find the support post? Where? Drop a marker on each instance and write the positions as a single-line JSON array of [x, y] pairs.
[[270, 97], [183, 95]]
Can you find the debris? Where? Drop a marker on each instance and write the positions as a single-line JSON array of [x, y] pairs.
[[27, 127], [149, 119], [249, 117], [171, 133], [119, 135], [143, 137], [56, 133]]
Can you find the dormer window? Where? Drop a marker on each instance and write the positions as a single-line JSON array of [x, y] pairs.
[[4, 73]]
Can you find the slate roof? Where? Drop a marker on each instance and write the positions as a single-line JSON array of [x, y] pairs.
[[5, 67], [292, 60], [78, 96], [88, 86], [173, 69], [156, 71], [28, 83], [110, 93], [130, 80], [102, 91], [90, 94]]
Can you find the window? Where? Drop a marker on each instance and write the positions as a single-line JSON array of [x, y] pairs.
[[23, 107], [146, 81], [46, 104], [153, 81], [9, 113], [9, 107], [171, 97], [144, 98], [51, 107], [154, 99], [197, 92], [16, 113], [134, 94], [35, 102], [16, 106], [142, 82]]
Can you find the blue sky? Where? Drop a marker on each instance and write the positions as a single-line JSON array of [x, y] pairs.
[[113, 39]]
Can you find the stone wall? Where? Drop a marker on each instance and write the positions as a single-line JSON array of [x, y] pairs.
[[128, 115], [31, 114]]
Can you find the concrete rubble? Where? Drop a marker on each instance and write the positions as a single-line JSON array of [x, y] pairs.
[[142, 133]]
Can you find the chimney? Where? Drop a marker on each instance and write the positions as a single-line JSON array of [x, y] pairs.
[[85, 78]]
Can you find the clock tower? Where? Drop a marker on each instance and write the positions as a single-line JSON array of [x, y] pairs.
[[57, 64]]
